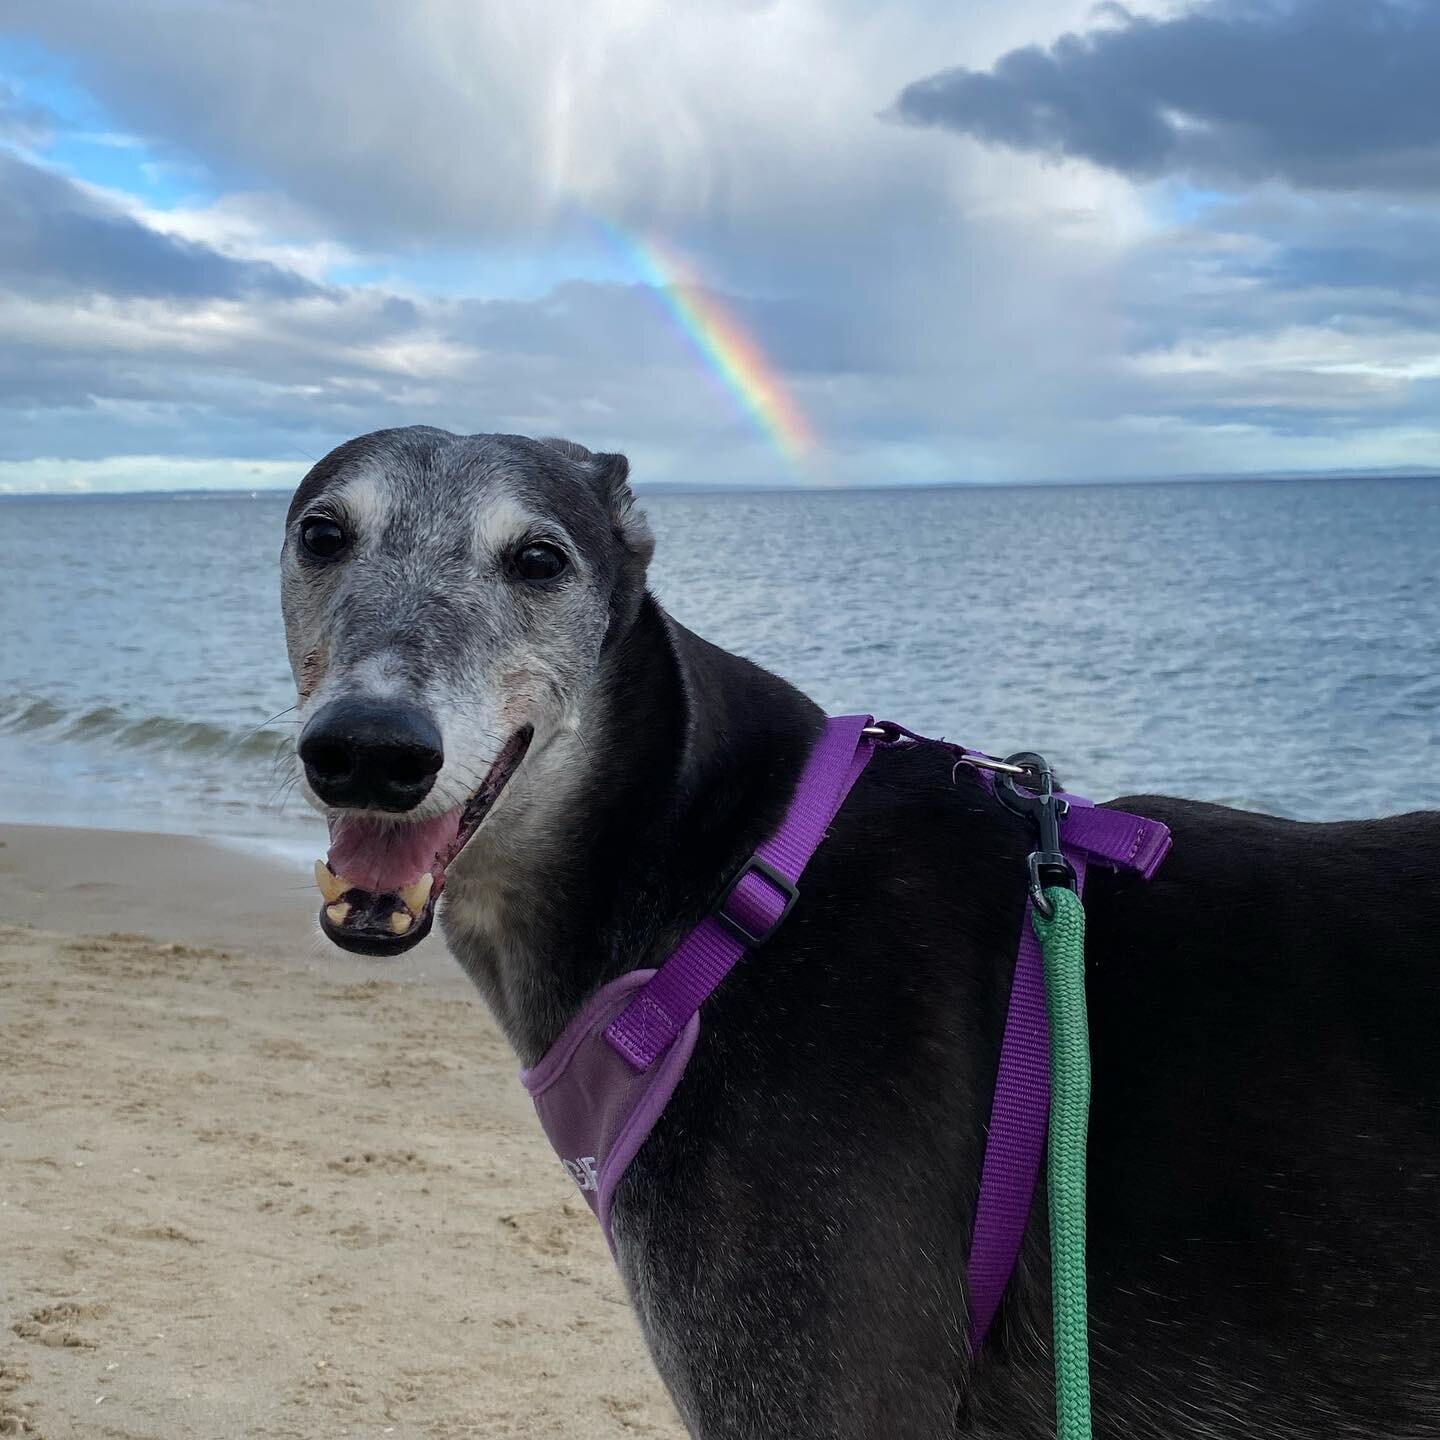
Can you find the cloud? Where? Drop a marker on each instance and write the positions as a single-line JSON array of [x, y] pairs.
[[1328, 94], [55, 236], [443, 121], [296, 367], [865, 258], [144, 472], [402, 234]]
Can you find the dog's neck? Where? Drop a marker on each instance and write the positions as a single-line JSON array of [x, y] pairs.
[[622, 824]]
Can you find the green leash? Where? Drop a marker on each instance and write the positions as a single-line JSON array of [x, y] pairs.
[[1062, 941]]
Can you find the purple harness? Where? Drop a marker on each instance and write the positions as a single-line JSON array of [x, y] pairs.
[[605, 1082]]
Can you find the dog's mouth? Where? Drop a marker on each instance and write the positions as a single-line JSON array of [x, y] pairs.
[[383, 877]]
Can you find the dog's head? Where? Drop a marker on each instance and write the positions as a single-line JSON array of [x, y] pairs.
[[447, 600]]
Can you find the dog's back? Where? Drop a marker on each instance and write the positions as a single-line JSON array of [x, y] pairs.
[[1265, 1139]]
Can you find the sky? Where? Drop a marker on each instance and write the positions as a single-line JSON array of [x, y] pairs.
[[858, 242]]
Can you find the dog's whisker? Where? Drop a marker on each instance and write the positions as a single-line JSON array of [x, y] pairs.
[[250, 733]]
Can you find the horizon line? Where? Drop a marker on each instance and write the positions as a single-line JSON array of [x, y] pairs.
[[743, 487]]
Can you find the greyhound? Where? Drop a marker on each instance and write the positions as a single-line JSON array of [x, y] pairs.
[[502, 724]]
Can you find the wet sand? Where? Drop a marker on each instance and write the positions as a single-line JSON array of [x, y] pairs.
[[252, 1186]]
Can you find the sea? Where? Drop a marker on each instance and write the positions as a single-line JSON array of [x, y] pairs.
[[1272, 645]]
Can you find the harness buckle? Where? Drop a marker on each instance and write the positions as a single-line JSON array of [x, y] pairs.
[[1046, 865], [787, 887]]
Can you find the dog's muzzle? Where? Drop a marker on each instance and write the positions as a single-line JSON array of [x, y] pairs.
[[384, 874]]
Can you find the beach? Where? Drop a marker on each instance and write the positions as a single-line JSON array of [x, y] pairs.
[[253, 1186]]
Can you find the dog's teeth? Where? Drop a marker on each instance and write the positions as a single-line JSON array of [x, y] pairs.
[[339, 912], [401, 921], [417, 894], [332, 886]]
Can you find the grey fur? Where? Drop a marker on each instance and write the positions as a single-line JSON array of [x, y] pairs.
[[424, 611]]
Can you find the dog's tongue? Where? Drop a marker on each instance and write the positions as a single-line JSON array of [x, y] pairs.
[[381, 855]]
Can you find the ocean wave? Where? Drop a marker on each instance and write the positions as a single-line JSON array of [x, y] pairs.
[[31, 715]]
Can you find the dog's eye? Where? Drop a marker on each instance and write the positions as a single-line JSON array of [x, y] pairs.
[[322, 538], [538, 563]]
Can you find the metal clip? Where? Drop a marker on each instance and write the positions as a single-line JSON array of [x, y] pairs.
[[1047, 865], [988, 762]]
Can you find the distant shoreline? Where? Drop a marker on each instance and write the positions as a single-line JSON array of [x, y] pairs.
[[740, 487]]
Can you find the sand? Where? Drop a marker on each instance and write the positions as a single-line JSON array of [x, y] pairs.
[[251, 1186]]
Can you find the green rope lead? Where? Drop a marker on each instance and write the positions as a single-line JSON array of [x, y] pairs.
[[1062, 940]]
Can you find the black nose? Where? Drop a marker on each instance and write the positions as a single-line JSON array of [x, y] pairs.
[[371, 754]]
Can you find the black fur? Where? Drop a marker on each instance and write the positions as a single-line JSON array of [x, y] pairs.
[[1266, 1126]]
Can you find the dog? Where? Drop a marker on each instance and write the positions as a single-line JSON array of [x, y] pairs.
[[504, 727]]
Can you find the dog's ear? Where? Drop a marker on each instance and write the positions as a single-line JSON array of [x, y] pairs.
[[613, 475], [568, 448]]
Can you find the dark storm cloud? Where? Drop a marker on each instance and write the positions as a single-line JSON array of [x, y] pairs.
[[55, 238], [1330, 94]]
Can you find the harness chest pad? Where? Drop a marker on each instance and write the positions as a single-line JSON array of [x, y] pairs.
[[603, 1084], [594, 1105]]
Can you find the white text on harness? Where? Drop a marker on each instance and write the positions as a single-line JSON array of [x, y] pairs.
[[582, 1172]]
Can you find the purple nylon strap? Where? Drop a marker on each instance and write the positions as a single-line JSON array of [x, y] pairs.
[[1020, 1110], [761, 897], [757, 902]]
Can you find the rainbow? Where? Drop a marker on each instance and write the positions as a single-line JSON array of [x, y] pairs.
[[721, 339]]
